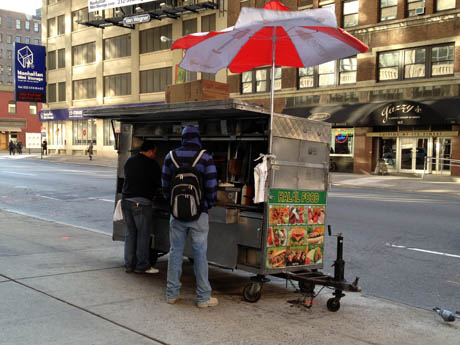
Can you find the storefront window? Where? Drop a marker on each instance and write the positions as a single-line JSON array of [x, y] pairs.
[[389, 152], [56, 133], [83, 132], [342, 140], [109, 138]]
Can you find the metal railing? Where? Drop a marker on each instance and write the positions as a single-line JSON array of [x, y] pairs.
[[439, 165]]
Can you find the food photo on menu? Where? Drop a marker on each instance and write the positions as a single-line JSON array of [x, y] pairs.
[[276, 257], [296, 256], [279, 214], [296, 215], [277, 236], [316, 214], [297, 236], [315, 234], [315, 254]]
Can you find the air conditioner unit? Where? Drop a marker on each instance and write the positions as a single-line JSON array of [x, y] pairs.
[[420, 10]]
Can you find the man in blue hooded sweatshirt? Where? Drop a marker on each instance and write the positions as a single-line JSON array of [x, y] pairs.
[[198, 229]]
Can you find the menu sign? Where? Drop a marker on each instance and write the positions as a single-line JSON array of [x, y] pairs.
[[295, 235]]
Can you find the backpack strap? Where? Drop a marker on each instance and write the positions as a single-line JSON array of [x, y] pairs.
[[198, 156], [173, 158]]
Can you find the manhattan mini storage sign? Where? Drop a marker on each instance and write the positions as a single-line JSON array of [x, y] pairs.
[[29, 73]]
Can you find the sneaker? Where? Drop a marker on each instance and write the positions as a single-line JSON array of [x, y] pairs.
[[172, 300], [151, 270], [211, 302]]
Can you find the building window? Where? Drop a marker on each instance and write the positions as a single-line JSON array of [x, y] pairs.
[[386, 95], [350, 13], [84, 54], [442, 5], [9, 54], [10, 71], [61, 92], [61, 25], [155, 80], [117, 85], [11, 107], [150, 39], [84, 132], [347, 71], [117, 47], [389, 66], [36, 41], [208, 23], [342, 140], [9, 22], [388, 9], [1, 69], [0, 20], [27, 40], [415, 7], [9, 39], [414, 63], [33, 108], [431, 91], [327, 4], [1, 53], [326, 74], [51, 93], [18, 39], [52, 28], [1, 37], [442, 60], [52, 60], [109, 138], [61, 58], [27, 25], [36, 27], [84, 88], [208, 76], [258, 80], [18, 24]]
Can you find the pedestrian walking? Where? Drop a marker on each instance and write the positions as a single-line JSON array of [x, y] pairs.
[[90, 151], [142, 182], [45, 147], [189, 156], [12, 147], [19, 146]]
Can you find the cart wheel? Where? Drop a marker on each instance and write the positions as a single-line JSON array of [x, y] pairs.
[[153, 257], [252, 292], [333, 304], [306, 287]]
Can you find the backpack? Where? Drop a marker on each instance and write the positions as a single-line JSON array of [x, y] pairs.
[[186, 190]]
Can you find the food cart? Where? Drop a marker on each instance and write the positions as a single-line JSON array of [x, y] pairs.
[[284, 234]]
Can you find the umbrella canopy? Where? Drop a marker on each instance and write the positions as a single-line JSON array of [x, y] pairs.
[[270, 35]]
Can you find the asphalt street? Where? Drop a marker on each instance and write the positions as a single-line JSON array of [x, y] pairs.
[[403, 245]]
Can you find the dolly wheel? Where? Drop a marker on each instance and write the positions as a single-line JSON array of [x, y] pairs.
[[306, 287], [252, 292], [333, 304]]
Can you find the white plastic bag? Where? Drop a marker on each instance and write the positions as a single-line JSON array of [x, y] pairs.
[[118, 214]]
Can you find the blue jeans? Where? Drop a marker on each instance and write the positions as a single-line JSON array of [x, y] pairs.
[[178, 232], [139, 223]]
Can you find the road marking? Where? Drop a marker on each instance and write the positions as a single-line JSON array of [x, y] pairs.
[[95, 198], [453, 282], [382, 198], [423, 250], [18, 173], [48, 197]]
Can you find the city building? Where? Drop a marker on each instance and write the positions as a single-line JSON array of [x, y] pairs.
[[15, 27], [17, 118], [95, 60], [397, 103]]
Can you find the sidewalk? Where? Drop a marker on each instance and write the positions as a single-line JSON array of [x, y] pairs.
[[64, 285]]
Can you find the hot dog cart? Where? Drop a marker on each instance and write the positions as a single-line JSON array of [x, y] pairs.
[[283, 235]]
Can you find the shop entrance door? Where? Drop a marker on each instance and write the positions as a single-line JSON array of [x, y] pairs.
[[412, 153]]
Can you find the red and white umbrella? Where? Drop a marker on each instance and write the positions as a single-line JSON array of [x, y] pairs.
[[273, 36]]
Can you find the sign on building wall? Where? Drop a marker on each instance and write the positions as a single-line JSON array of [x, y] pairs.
[[29, 73], [97, 5]]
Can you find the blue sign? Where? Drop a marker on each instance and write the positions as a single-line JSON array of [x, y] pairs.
[[141, 18], [29, 73]]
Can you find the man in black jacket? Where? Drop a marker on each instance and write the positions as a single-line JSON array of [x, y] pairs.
[[142, 180]]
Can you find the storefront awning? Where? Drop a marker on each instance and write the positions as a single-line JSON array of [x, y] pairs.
[[405, 112]]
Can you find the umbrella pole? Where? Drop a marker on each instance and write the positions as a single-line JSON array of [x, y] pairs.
[[272, 93]]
